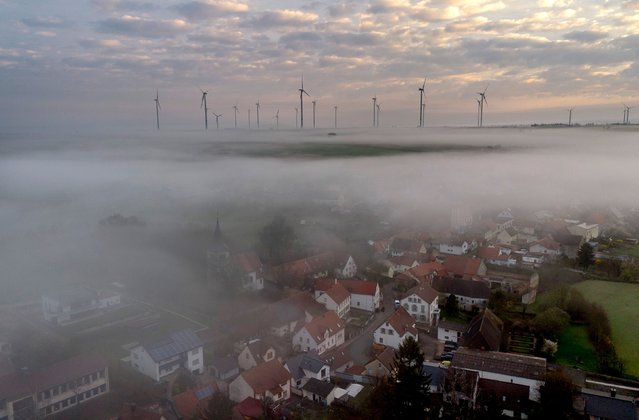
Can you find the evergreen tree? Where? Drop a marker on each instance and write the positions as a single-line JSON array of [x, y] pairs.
[[585, 256], [409, 388], [451, 307]]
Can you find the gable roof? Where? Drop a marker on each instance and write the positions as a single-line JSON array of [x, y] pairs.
[[548, 243], [511, 364], [326, 261], [337, 358], [249, 408], [461, 287], [360, 287], [192, 402], [424, 291], [461, 265], [258, 349], [426, 269], [401, 322], [338, 293], [247, 262], [225, 364], [266, 376], [484, 332], [176, 343], [328, 322], [386, 358], [294, 308], [309, 361]]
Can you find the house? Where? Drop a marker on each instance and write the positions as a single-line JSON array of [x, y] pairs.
[[224, 368], [335, 298], [54, 389], [401, 246], [532, 260], [546, 246], [317, 266], [450, 331], [437, 374], [285, 316], [322, 392], [267, 380], [587, 231], [73, 305], [189, 404], [464, 267], [251, 270], [305, 366], [484, 332], [427, 271], [321, 334], [504, 367], [511, 398], [497, 256], [506, 236], [522, 283], [470, 294], [454, 246], [255, 352], [403, 263], [397, 328], [248, 409], [382, 364], [160, 358], [338, 360], [421, 302], [597, 405], [365, 295]]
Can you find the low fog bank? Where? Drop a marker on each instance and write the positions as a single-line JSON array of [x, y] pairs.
[[55, 189]]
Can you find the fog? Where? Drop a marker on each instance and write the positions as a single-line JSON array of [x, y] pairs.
[[55, 189]]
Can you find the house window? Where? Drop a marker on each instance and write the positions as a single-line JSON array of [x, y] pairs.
[[390, 332], [414, 308], [423, 309], [383, 330], [196, 362], [323, 373], [381, 339], [357, 303]]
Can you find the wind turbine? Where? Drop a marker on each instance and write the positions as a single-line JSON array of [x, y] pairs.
[[217, 120], [314, 103], [206, 110], [482, 97], [296, 114], [478, 110], [302, 92], [257, 108], [235, 109], [277, 118], [626, 114], [570, 116], [421, 103], [378, 111], [423, 114], [374, 108], [335, 116], [157, 108]]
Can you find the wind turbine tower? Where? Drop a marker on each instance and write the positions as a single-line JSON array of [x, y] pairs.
[[217, 120], [157, 108], [569, 117], [335, 116], [206, 109], [378, 111], [302, 93], [626, 114], [277, 119], [482, 97], [235, 109], [257, 108], [314, 103], [478, 110], [374, 109], [296, 115], [421, 103]]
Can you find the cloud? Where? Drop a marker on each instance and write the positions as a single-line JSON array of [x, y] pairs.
[[138, 27], [124, 5], [46, 22], [282, 19], [198, 10], [585, 36]]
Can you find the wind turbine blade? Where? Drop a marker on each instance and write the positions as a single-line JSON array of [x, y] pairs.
[[424, 84]]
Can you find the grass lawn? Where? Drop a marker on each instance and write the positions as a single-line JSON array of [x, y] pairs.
[[631, 250], [573, 344], [620, 302]]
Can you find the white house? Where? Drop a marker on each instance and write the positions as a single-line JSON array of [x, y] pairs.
[[421, 303], [470, 294], [546, 246], [157, 360], [335, 298], [54, 389], [397, 328], [322, 333], [504, 367], [345, 266], [251, 270], [450, 331], [267, 380], [255, 352], [454, 247], [69, 306], [365, 295], [587, 231], [307, 366]]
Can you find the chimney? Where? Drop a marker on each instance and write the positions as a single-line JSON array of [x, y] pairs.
[[613, 392]]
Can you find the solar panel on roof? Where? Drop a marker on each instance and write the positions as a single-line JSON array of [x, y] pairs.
[[204, 392]]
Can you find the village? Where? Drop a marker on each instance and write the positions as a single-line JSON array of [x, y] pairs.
[[313, 336]]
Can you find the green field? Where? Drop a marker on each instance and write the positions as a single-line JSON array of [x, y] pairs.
[[620, 301], [575, 349], [630, 250]]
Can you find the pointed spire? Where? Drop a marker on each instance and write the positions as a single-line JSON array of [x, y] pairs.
[[218, 232]]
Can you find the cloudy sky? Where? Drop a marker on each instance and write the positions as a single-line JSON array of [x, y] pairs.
[[98, 62]]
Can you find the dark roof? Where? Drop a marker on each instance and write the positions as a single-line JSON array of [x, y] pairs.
[[225, 364], [258, 349], [508, 396], [317, 387], [306, 361], [505, 363], [190, 403], [484, 332], [461, 287], [609, 408], [451, 325], [177, 342], [437, 374]]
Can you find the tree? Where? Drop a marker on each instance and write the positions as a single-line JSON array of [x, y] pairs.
[[498, 302], [409, 388], [629, 272], [585, 256], [220, 407], [451, 307], [276, 238], [551, 321], [556, 397]]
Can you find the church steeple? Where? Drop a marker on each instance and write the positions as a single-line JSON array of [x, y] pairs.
[[217, 233]]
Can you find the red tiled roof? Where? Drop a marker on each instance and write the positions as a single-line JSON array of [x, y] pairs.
[[248, 262], [249, 408], [424, 291], [461, 265], [324, 283], [426, 269], [320, 324], [360, 287], [356, 370], [326, 261], [266, 376], [387, 357], [338, 293], [188, 404], [402, 322]]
